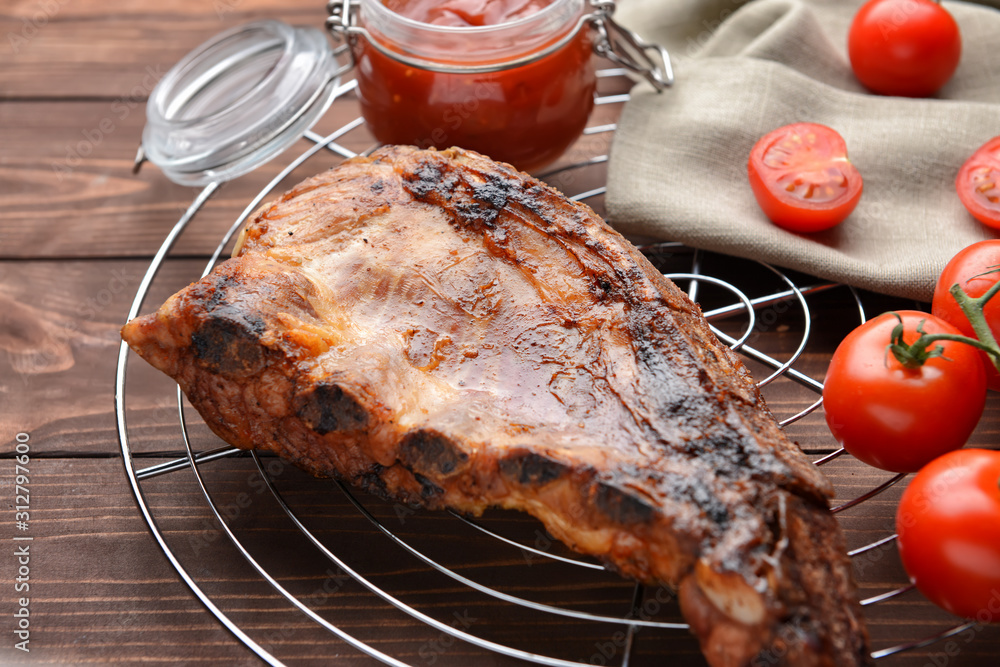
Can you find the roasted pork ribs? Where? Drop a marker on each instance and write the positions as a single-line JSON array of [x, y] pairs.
[[441, 329]]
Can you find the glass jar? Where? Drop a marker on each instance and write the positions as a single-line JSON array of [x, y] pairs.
[[519, 91]]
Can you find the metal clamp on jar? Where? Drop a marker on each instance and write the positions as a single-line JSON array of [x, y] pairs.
[[518, 90]]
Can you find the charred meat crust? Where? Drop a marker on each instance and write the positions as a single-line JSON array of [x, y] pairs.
[[475, 196], [229, 345], [529, 468], [326, 408], [426, 451], [442, 330]]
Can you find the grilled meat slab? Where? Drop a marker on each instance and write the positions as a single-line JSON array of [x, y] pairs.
[[441, 329]]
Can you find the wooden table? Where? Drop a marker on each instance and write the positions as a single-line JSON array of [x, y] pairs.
[[77, 231]]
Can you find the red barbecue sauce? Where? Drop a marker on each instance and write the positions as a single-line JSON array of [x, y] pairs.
[[526, 114]]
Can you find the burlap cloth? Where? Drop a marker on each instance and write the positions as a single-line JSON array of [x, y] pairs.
[[678, 162]]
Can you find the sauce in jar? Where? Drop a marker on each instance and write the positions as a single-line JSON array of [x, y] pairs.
[[527, 112], [466, 13]]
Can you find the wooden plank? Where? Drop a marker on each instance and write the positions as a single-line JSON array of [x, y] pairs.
[[59, 323], [67, 410], [60, 343], [85, 531], [101, 590], [59, 48], [76, 231], [56, 303], [59, 326], [71, 162]]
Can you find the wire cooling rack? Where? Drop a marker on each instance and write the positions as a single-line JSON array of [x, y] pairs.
[[736, 318]]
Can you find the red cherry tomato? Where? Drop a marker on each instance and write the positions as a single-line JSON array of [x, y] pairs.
[[908, 48], [948, 523], [970, 269], [977, 185], [898, 418], [802, 178]]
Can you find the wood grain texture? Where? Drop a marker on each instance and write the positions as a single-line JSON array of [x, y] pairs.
[[77, 157], [102, 592], [65, 403], [59, 345], [62, 48], [77, 230]]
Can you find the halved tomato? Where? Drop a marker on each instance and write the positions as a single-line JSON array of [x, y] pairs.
[[978, 183], [802, 178]]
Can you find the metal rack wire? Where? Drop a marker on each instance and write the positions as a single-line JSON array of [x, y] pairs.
[[788, 292]]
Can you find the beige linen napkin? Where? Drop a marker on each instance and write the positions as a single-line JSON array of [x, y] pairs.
[[678, 161]]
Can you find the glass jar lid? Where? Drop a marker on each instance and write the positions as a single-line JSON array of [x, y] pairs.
[[238, 100]]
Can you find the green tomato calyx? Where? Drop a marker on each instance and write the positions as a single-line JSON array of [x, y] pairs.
[[915, 354]]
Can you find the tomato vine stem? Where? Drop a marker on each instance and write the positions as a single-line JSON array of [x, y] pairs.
[[913, 355], [972, 307]]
